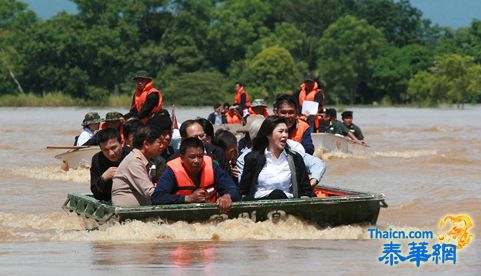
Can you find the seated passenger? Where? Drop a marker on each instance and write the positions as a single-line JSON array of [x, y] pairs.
[[347, 121], [233, 116], [105, 163], [259, 107], [315, 166], [227, 141], [336, 127], [272, 170], [113, 120], [193, 177], [217, 117], [130, 127], [132, 184], [91, 125]]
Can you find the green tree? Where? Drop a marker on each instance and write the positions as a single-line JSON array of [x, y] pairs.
[[347, 52], [274, 69], [396, 66]]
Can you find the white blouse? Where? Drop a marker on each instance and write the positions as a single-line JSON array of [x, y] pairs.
[[276, 174]]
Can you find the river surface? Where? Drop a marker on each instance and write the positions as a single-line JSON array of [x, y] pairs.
[[426, 161]]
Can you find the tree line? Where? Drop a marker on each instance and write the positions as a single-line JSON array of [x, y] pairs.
[[362, 51]]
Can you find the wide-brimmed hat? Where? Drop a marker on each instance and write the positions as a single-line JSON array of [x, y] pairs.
[[112, 116], [91, 118], [258, 102], [249, 121], [142, 75], [233, 107]]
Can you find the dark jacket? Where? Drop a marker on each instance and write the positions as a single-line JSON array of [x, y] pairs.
[[254, 163], [103, 190], [211, 118]]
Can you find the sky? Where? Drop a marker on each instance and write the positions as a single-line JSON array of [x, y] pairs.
[[449, 13]]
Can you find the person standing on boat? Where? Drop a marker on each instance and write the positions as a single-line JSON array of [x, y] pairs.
[[309, 91], [217, 117], [241, 99], [299, 131], [146, 100], [132, 184], [354, 129], [272, 170], [194, 177], [105, 163], [91, 125], [336, 127]]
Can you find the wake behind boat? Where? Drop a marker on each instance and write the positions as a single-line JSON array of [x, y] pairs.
[[80, 157], [335, 207], [326, 142]]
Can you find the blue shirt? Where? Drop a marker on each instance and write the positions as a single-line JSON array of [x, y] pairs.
[[166, 188]]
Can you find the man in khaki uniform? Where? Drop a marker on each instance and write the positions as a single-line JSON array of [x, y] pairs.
[[132, 184]]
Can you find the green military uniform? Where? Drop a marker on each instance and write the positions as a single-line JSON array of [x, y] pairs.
[[337, 127], [356, 131]]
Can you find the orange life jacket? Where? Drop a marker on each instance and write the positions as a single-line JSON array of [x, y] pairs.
[[141, 97], [311, 96], [265, 112], [237, 97], [234, 119], [185, 184], [297, 133]]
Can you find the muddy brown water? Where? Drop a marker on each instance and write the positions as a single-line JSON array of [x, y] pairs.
[[426, 161]]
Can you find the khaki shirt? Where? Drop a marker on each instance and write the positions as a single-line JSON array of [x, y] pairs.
[[131, 185]]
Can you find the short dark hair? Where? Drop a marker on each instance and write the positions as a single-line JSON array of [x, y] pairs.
[[216, 105], [331, 112], [226, 104], [208, 127], [260, 142], [131, 127], [106, 134], [145, 133], [239, 83], [285, 99], [224, 138], [185, 125], [190, 142]]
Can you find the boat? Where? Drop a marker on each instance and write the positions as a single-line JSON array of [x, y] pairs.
[[326, 142], [80, 157], [335, 207]]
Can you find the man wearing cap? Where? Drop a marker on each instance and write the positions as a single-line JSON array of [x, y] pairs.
[[105, 163], [336, 127], [146, 100], [299, 131], [233, 116], [310, 91], [91, 125], [217, 117], [241, 98], [113, 120], [354, 129], [259, 107]]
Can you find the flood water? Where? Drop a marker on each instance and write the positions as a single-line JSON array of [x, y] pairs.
[[426, 161]]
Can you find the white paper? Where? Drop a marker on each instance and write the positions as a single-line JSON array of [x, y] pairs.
[[310, 107]]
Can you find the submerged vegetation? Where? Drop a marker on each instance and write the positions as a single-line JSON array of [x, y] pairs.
[[362, 51]]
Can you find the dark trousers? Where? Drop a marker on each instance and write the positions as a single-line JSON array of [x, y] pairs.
[[276, 194]]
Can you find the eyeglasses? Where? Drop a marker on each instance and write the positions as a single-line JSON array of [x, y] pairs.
[[200, 136]]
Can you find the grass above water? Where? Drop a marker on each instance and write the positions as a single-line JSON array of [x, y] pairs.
[[52, 99]]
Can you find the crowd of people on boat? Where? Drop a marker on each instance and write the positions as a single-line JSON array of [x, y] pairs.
[[145, 158]]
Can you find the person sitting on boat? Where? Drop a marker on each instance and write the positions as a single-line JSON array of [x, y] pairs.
[[194, 128], [105, 162], [315, 166], [299, 131], [272, 170], [146, 100], [354, 129], [225, 108], [227, 141], [194, 177], [91, 125], [259, 107], [336, 127], [129, 128], [321, 122], [113, 120], [233, 116], [241, 99], [132, 184], [217, 117]]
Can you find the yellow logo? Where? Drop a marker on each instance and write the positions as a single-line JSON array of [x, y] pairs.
[[459, 232]]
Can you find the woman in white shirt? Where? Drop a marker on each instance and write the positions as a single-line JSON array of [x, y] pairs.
[[272, 170]]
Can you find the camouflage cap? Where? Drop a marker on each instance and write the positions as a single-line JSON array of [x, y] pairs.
[[142, 74], [91, 118], [113, 116], [258, 102]]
